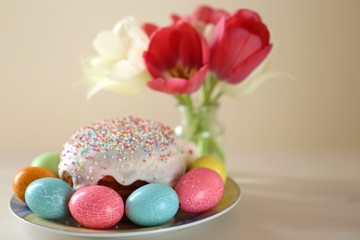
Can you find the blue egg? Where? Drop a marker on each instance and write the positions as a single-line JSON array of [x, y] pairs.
[[48, 197], [152, 204]]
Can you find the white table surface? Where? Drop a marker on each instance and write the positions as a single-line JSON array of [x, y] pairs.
[[285, 195]]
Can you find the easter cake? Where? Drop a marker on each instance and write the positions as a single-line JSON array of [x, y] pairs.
[[122, 153]]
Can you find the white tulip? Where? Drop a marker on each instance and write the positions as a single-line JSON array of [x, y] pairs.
[[119, 66]]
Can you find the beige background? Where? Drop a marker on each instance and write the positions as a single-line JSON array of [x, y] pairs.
[[41, 43]]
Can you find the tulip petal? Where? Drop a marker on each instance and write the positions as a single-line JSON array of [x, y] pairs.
[[208, 14], [251, 21], [123, 86], [216, 48], [240, 46], [95, 67], [245, 68], [130, 28], [205, 52], [243, 17], [244, 45], [137, 33], [176, 85], [169, 85], [157, 84], [135, 55], [121, 26], [152, 68], [107, 45], [197, 79], [123, 70], [262, 31], [175, 18], [190, 46], [98, 87], [161, 53], [149, 28]]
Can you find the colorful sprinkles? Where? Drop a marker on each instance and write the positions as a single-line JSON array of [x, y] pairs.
[[122, 137]]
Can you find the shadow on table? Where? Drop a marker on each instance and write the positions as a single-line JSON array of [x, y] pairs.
[[276, 207]]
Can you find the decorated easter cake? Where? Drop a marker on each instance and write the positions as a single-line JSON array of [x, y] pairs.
[[122, 153]]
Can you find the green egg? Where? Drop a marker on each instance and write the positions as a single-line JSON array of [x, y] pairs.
[[49, 160]]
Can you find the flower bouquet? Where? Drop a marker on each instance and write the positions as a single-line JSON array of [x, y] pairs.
[[197, 59]]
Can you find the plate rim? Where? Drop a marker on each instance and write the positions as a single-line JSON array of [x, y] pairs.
[[119, 233]]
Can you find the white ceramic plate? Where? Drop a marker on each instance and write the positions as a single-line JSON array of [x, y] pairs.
[[182, 220]]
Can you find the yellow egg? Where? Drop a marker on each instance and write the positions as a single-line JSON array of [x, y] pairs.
[[210, 162]]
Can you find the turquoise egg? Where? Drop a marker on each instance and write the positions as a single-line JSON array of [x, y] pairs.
[[152, 204], [48, 198]]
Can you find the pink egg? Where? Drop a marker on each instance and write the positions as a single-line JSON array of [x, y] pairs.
[[96, 207], [199, 190]]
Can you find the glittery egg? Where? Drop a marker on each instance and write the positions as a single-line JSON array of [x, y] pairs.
[[96, 207], [49, 160], [199, 190], [26, 176], [48, 198], [152, 204]]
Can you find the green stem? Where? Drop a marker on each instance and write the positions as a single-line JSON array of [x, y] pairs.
[[215, 101], [199, 119], [190, 116], [207, 90]]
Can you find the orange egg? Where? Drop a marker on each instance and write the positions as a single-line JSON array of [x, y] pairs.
[[26, 176]]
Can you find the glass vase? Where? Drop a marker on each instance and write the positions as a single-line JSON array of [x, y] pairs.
[[201, 127]]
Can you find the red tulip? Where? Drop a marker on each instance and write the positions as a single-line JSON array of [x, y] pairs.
[[149, 28], [239, 44], [208, 15], [177, 59], [202, 16]]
